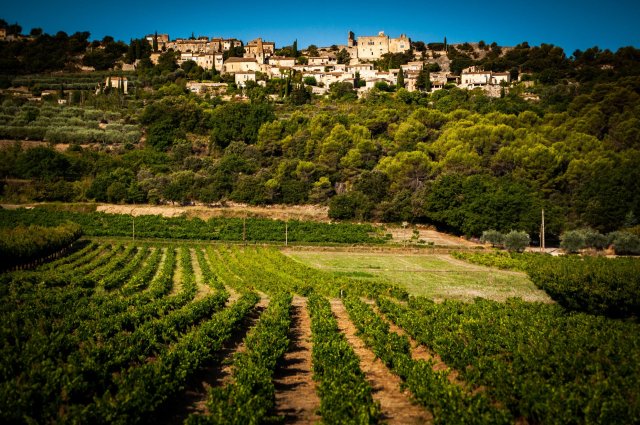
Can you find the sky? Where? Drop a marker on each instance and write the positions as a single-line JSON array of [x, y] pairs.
[[569, 24]]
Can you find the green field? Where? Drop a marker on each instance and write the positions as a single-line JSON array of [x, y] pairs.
[[434, 276]]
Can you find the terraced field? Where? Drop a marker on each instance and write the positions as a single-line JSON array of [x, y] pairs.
[[198, 333]]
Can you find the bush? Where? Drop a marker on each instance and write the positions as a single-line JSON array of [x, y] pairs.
[[625, 243], [516, 241], [350, 205], [594, 239], [493, 237], [572, 241]]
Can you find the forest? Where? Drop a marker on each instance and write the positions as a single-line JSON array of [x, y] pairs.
[[454, 158]]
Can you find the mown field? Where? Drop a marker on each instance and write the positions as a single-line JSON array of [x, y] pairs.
[[175, 332], [437, 277]]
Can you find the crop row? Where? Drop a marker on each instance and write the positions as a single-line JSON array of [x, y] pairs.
[[251, 396], [224, 229], [21, 244], [345, 395], [448, 402], [139, 390], [607, 286], [542, 364]]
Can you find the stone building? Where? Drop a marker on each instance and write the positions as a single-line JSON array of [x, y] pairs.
[[235, 65], [260, 50], [374, 46]]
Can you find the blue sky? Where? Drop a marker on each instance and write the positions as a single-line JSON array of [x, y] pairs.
[[569, 24]]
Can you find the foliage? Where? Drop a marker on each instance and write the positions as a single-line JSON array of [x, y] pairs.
[[345, 394], [525, 354], [493, 237], [448, 402], [20, 244], [591, 284], [226, 229], [516, 241], [251, 396]]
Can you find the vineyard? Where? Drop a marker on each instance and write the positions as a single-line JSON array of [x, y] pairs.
[[595, 285], [210, 334], [216, 228]]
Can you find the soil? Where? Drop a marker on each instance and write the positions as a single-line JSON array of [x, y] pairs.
[[397, 406], [296, 398], [230, 209]]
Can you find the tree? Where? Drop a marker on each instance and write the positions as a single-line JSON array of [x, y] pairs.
[[572, 241], [343, 57], [400, 82], [35, 32], [342, 91], [350, 205], [294, 48], [516, 241], [493, 237], [424, 80], [312, 50], [155, 42]]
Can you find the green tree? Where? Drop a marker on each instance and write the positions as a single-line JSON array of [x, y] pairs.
[[423, 81], [516, 241], [493, 237], [400, 82], [350, 205], [343, 57]]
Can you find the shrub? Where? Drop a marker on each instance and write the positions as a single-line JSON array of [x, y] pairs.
[[493, 237], [350, 205], [516, 241], [625, 243], [594, 239], [572, 241]]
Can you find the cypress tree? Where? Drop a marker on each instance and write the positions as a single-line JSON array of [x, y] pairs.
[[155, 42], [295, 48], [400, 82]]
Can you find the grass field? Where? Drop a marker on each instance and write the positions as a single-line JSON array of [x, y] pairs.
[[435, 276]]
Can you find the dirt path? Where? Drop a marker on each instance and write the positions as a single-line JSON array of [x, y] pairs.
[[397, 406], [193, 399], [296, 397], [202, 289]]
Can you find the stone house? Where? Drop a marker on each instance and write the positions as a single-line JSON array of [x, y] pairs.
[[234, 65], [241, 78], [230, 43], [206, 87], [204, 60], [322, 60], [282, 61], [500, 77], [163, 39]]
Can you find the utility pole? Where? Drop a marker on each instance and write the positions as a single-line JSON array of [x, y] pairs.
[[542, 233]]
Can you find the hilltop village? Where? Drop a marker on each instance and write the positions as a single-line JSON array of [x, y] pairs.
[[355, 63]]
